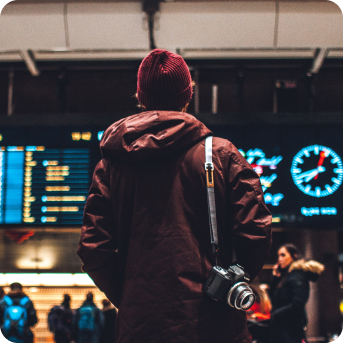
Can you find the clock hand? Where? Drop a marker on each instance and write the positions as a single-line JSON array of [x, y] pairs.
[[320, 162], [311, 173], [311, 176], [315, 173]]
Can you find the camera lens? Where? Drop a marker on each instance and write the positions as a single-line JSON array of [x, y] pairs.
[[241, 296], [247, 300]]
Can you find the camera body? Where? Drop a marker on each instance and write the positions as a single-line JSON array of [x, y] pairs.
[[230, 286]]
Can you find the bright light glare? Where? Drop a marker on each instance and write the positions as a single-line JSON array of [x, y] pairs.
[[46, 279]]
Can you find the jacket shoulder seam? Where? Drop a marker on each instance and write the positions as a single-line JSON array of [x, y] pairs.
[[102, 176], [221, 164], [231, 156]]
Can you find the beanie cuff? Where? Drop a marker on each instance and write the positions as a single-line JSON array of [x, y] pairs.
[[153, 101]]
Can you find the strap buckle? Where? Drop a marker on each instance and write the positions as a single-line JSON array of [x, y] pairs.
[[215, 252], [209, 174]]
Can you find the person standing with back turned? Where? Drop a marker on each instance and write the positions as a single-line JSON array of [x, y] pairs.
[[88, 322], [17, 315], [2, 293], [60, 321], [145, 239], [110, 314]]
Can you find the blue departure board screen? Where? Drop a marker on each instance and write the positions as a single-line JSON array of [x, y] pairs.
[[45, 172], [43, 186]]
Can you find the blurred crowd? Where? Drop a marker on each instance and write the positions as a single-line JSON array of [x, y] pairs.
[[277, 316], [87, 324]]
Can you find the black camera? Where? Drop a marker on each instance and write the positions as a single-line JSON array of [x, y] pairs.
[[230, 286]]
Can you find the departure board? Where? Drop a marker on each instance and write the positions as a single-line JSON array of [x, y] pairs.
[[43, 186], [46, 172]]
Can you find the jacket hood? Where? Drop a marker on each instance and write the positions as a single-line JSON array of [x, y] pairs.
[[152, 134], [88, 303], [312, 268], [16, 294]]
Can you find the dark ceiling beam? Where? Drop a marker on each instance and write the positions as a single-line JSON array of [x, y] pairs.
[[84, 1], [28, 58], [318, 60], [256, 119]]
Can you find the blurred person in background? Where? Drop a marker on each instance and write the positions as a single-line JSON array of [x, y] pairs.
[[2, 293], [259, 314], [145, 238], [60, 321], [110, 315], [262, 306], [17, 315], [289, 294], [88, 322]]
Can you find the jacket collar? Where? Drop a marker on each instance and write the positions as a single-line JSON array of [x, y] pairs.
[[152, 134], [312, 268]]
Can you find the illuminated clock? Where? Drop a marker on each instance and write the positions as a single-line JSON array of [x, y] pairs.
[[317, 171]]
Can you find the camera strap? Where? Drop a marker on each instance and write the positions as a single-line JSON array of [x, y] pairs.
[[211, 203]]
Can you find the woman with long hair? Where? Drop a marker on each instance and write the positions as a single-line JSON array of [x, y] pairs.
[[289, 293]]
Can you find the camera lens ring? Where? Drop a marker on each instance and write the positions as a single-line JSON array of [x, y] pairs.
[[248, 291], [251, 300], [232, 289]]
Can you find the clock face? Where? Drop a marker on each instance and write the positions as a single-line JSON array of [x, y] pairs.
[[317, 171]]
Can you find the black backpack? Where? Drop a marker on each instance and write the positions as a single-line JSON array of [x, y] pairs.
[[57, 320]]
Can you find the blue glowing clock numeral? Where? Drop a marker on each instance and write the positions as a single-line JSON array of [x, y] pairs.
[[302, 178]]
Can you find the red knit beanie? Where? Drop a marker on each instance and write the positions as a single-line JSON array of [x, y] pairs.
[[164, 81]]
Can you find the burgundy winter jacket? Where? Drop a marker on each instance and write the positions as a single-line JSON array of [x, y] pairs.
[[145, 237]]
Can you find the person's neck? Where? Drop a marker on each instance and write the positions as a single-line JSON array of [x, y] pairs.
[[285, 270]]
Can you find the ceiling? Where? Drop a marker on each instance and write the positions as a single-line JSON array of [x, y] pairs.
[[80, 30]]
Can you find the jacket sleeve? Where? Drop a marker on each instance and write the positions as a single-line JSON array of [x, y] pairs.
[[2, 309], [31, 314], [299, 290], [250, 217], [100, 320], [97, 248]]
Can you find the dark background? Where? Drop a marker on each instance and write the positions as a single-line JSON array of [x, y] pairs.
[[252, 112], [244, 86]]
